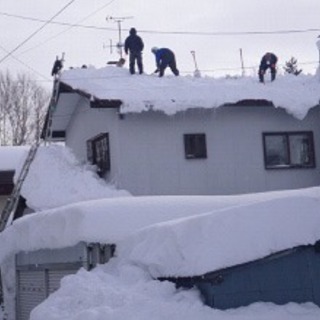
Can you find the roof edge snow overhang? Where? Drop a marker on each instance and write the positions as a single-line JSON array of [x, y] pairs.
[[94, 101], [64, 88]]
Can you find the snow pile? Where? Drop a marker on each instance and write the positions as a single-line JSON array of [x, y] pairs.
[[172, 94], [11, 157], [56, 178], [127, 292]]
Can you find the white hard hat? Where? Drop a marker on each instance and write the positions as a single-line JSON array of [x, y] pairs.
[[154, 49]]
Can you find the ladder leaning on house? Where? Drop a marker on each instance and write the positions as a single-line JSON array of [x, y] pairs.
[[12, 201], [7, 214]]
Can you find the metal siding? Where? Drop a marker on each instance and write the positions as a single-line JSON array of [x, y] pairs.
[[314, 262], [39, 273], [293, 277], [77, 253], [31, 291]]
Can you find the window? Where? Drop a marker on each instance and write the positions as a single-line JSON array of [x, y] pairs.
[[195, 146], [288, 150], [98, 152]]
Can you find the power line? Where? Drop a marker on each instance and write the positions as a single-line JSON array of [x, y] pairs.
[[55, 22], [191, 33], [70, 26], [35, 32], [23, 63]]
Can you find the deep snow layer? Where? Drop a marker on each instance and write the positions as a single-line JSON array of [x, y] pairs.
[[57, 178], [122, 292], [297, 94], [177, 236]]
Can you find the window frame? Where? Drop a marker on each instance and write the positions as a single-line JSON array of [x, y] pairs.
[[95, 152], [289, 165], [196, 149]]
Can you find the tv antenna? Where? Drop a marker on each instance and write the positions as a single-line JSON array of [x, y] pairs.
[[120, 44]]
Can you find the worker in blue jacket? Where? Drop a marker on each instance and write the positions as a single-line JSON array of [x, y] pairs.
[[269, 60], [165, 58]]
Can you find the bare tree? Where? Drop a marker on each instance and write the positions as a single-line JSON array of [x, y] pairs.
[[23, 105]]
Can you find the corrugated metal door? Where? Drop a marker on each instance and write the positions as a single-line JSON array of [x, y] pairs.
[[55, 276], [31, 291], [39, 273]]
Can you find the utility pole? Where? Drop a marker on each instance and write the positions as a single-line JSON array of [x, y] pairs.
[[119, 45]]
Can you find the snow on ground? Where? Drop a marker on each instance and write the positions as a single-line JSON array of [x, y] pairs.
[[170, 94], [122, 292]]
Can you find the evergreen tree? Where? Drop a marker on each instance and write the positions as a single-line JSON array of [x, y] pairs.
[[292, 67]]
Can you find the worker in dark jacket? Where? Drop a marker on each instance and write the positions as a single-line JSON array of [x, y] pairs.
[[269, 60], [134, 45], [165, 58]]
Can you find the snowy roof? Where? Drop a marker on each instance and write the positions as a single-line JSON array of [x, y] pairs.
[[297, 94], [11, 157], [177, 235]]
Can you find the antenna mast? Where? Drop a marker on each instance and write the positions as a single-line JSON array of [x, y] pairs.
[[118, 20]]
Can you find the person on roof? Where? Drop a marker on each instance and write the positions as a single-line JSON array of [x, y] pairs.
[[269, 60], [165, 58], [134, 45]]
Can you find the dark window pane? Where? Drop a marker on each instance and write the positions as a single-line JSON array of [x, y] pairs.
[[276, 150], [98, 152], [300, 150], [289, 149], [195, 146]]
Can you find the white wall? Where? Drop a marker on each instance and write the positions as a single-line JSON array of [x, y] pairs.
[[147, 150]]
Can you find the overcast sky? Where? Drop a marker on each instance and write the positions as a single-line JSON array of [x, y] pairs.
[[165, 23]]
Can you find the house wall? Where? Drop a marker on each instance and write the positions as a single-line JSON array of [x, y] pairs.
[[147, 149]]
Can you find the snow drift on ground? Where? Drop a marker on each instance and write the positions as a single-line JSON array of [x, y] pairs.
[[170, 94], [122, 292], [56, 178]]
